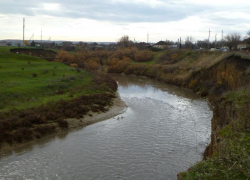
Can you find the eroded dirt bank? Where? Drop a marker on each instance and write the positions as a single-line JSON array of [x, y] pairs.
[[226, 84]]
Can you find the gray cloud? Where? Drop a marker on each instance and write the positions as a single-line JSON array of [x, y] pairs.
[[115, 11]]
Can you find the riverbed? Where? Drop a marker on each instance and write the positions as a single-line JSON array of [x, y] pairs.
[[164, 130]]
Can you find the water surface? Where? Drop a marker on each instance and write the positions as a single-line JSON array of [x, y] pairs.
[[164, 131]]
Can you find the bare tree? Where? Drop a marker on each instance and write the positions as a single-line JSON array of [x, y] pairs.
[[82, 46], [248, 33], [232, 40], [124, 42], [189, 42]]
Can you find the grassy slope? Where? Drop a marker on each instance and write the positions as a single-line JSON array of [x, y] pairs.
[[175, 65], [231, 160], [54, 81], [32, 106], [6, 48]]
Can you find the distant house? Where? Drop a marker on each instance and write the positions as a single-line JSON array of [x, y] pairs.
[[67, 44], [9, 44], [97, 47], [245, 44], [38, 44], [161, 45], [174, 46], [3, 43], [143, 45]]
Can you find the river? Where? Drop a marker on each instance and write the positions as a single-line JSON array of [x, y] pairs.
[[164, 130]]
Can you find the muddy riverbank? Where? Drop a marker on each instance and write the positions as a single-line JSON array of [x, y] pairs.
[[118, 107]]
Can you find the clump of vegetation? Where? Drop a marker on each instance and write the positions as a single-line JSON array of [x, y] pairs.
[[193, 83], [45, 71], [240, 97], [143, 56], [34, 75]]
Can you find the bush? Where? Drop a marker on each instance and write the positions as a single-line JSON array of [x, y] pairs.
[[34, 75], [45, 129], [62, 123], [64, 56], [143, 56], [193, 83]]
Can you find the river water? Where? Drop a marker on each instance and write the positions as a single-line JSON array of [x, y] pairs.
[[164, 131]]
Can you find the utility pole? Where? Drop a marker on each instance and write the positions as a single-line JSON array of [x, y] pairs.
[[147, 37], [222, 39], [215, 40], [208, 37], [180, 42], [23, 29]]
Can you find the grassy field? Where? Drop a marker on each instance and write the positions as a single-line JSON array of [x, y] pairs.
[[27, 81], [6, 48], [37, 97]]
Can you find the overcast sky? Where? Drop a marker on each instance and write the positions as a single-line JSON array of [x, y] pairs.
[[108, 20]]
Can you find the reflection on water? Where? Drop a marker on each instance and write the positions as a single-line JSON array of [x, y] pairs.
[[164, 131]]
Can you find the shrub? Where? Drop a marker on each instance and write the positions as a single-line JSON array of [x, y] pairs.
[[91, 65], [193, 83], [143, 56], [22, 134], [62, 123], [34, 75], [45, 71], [74, 65], [175, 55], [64, 56], [44, 129]]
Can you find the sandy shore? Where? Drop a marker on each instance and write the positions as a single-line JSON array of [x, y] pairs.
[[118, 107]]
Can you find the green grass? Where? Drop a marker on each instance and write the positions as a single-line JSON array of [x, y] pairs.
[[240, 97], [231, 162], [6, 48], [20, 89], [232, 158]]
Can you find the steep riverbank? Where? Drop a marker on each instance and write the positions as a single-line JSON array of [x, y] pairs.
[[227, 86]]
